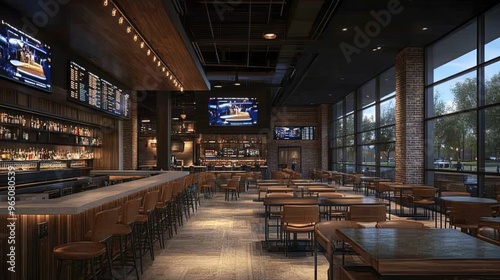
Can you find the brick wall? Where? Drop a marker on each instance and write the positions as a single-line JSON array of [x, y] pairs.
[[410, 140], [312, 158], [130, 130]]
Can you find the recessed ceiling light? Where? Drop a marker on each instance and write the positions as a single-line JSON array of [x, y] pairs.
[[269, 36], [237, 83], [175, 119], [374, 50], [344, 29], [217, 85], [378, 48], [424, 28], [146, 121]]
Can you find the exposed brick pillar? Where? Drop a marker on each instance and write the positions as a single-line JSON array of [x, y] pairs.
[[130, 130], [410, 141]]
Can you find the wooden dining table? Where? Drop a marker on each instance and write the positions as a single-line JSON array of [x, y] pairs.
[[423, 252]]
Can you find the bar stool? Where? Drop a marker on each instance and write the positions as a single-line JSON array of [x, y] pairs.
[[145, 223], [164, 210], [83, 251], [124, 232]]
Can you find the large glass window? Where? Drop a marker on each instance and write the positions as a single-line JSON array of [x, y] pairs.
[[453, 54], [492, 34], [454, 95], [463, 111], [492, 83], [368, 144]]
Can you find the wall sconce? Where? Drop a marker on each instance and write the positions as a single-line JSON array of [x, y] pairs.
[[183, 116]]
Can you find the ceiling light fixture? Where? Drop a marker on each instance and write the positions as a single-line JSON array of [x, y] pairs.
[[218, 85], [424, 28], [115, 10], [269, 36], [344, 29]]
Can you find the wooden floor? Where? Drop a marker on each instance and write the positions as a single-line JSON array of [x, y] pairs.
[[223, 240]]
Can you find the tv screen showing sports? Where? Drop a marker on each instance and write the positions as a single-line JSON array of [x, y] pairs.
[[294, 132], [24, 59], [287, 133], [233, 111]]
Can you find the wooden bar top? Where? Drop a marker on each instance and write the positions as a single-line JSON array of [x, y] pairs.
[[80, 202]]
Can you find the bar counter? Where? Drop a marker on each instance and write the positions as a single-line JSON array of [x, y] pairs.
[[64, 219]]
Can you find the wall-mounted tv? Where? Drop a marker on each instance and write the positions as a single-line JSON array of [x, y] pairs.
[[89, 89], [24, 59], [233, 111], [294, 132]]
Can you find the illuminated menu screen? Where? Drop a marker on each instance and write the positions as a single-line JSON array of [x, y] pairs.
[[88, 88]]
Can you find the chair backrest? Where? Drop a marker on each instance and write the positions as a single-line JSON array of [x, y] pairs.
[[102, 221], [280, 194], [130, 210], [233, 184], [423, 192], [330, 195], [236, 178], [443, 194], [367, 213], [150, 201], [468, 213], [166, 193], [300, 214], [399, 224]]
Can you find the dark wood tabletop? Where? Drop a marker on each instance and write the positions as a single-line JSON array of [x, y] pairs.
[[407, 252], [354, 201], [469, 199], [279, 201]]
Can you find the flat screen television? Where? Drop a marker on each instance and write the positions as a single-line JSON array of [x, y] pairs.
[[233, 111], [24, 59], [294, 132], [91, 90]]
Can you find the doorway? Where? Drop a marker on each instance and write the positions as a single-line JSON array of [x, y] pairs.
[[290, 157]]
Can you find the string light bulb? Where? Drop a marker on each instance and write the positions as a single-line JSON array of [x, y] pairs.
[[122, 19]]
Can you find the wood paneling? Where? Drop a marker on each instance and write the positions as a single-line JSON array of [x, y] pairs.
[[34, 258]]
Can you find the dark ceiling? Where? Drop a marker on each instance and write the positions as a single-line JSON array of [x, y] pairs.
[[212, 41], [306, 64]]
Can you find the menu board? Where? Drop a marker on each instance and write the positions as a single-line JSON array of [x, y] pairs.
[[89, 89]]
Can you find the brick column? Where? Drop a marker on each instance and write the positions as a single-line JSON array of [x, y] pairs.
[[325, 154], [410, 141], [130, 130]]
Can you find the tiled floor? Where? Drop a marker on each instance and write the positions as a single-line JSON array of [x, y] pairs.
[[223, 240]]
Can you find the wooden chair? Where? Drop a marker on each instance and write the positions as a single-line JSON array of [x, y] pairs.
[[299, 219], [90, 251], [425, 197], [466, 216], [399, 224], [326, 237], [232, 188], [337, 213], [124, 232], [367, 213]]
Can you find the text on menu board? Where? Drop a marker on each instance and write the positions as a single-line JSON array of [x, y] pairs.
[[88, 88]]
